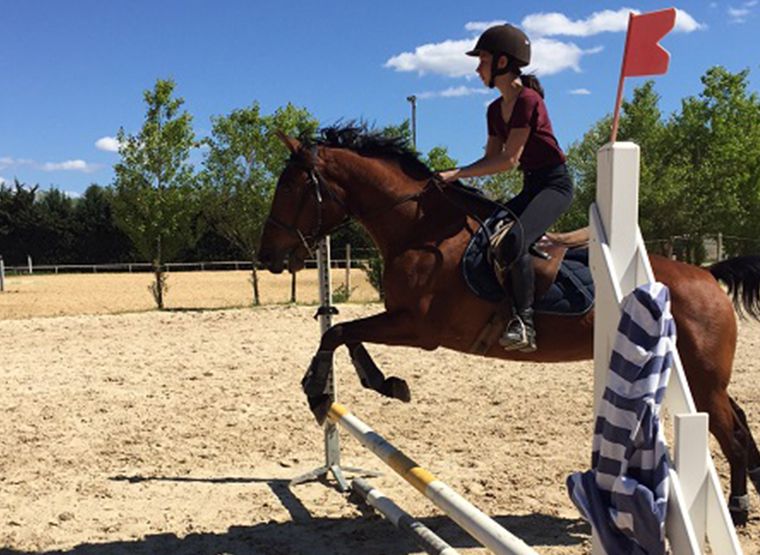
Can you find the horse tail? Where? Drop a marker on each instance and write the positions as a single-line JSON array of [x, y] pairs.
[[742, 277]]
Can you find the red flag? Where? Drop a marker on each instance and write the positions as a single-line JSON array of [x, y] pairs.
[[643, 55]]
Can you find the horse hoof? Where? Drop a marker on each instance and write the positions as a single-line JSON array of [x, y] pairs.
[[738, 506], [320, 405], [740, 517], [397, 388]]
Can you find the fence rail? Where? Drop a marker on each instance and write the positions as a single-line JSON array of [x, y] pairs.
[[133, 267]]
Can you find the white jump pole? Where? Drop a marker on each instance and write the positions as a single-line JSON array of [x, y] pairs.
[[479, 525], [2, 274], [421, 534]]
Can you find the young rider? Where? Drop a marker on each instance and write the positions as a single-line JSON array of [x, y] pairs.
[[519, 133]]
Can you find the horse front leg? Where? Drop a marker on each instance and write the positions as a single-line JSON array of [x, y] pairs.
[[387, 328]]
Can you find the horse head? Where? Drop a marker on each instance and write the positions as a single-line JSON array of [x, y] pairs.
[[305, 209]]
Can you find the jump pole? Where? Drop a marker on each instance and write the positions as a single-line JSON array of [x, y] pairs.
[[421, 534], [479, 525]]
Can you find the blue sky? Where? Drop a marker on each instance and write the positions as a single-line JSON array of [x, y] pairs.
[[74, 72]]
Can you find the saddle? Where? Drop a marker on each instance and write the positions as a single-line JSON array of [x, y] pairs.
[[563, 281]]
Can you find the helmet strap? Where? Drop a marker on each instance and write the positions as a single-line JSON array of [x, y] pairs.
[[496, 70]]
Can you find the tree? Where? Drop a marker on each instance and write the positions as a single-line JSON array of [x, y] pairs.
[[716, 152], [21, 227], [58, 227], [438, 159], [99, 239], [241, 167], [156, 200]]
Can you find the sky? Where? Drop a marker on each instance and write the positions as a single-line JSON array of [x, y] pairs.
[[74, 72]]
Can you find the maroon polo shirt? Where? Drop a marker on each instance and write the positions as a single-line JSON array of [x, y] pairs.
[[542, 149]]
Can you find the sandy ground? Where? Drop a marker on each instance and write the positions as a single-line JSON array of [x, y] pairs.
[[177, 432], [65, 294]]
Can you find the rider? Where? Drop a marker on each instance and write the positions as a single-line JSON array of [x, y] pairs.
[[519, 133]]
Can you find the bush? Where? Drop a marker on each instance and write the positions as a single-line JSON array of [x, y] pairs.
[[374, 271]]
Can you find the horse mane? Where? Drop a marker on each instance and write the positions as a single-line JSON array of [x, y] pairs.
[[358, 138]]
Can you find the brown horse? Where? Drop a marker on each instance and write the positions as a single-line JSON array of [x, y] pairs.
[[421, 228]]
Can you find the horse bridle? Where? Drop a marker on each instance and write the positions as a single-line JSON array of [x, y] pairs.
[[316, 183]]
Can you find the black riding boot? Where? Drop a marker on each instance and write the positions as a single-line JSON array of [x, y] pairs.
[[520, 333]]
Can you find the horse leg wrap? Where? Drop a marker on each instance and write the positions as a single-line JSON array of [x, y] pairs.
[[738, 506], [316, 385], [317, 378], [373, 378]]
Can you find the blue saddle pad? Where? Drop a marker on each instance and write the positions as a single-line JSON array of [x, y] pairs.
[[572, 292]]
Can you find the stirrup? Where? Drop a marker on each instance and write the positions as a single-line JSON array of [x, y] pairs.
[[515, 335], [523, 341]]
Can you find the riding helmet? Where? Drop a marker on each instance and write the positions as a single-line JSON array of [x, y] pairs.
[[504, 39]]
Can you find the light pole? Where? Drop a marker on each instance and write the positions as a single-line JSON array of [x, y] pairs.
[[413, 100]]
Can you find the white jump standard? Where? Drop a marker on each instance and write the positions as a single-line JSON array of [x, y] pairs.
[[479, 525]]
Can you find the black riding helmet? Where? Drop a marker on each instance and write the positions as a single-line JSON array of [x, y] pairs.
[[503, 40]]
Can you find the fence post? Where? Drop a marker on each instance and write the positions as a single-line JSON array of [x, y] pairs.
[[293, 287], [29, 263], [2, 274], [348, 268], [720, 247]]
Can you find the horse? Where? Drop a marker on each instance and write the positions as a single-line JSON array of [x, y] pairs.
[[421, 228]]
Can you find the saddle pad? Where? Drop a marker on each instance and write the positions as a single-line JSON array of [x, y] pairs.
[[572, 293]]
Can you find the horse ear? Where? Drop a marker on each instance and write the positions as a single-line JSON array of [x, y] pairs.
[[293, 144]]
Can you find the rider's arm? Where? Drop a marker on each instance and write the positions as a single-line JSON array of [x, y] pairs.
[[498, 158]]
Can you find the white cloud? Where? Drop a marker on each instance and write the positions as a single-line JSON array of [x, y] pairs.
[[480, 26], [452, 92], [3, 181], [687, 24], [550, 55], [108, 144], [72, 194], [447, 58], [7, 162], [606, 21], [739, 15], [443, 58], [69, 165], [555, 23], [582, 92]]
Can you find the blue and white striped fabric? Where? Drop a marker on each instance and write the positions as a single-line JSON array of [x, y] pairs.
[[625, 494]]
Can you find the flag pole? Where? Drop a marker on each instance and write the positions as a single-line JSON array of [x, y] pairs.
[[619, 99]]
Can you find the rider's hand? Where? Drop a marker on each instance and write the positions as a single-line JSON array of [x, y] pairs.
[[449, 175]]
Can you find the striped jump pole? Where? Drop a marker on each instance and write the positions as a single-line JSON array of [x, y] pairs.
[[424, 536], [479, 525]]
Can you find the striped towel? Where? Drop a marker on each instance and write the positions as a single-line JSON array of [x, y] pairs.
[[625, 494]]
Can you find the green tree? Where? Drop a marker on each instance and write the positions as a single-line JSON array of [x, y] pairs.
[[20, 222], [715, 154], [241, 167], [99, 240], [438, 159], [58, 227], [156, 200]]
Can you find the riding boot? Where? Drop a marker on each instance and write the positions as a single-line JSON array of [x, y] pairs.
[[520, 333]]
